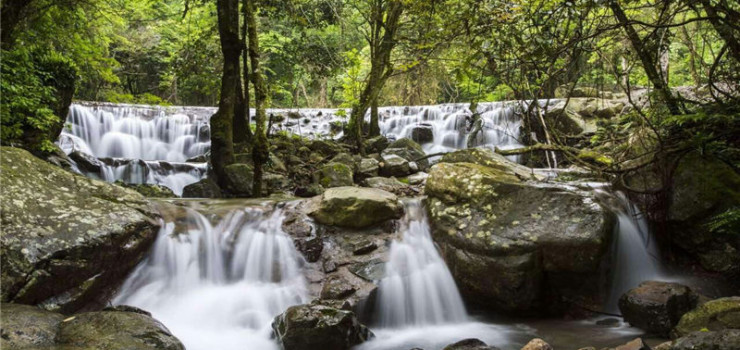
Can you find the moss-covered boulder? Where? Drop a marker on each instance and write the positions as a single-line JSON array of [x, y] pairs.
[[149, 190], [422, 133], [657, 306], [376, 144], [325, 148], [206, 188], [511, 245], [67, 240], [715, 315], [116, 330], [367, 168], [334, 175], [318, 327], [238, 180], [394, 165], [355, 207], [409, 150], [728, 339], [346, 159], [470, 344], [26, 326], [390, 184], [488, 158]]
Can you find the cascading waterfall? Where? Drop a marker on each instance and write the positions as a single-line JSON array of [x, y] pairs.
[[418, 288], [219, 287]]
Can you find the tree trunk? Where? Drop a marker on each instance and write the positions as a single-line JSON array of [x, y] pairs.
[[374, 120], [725, 31], [260, 151], [222, 145], [648, 61]]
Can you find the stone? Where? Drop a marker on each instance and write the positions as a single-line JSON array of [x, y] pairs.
[[728, 339], [537, 344], [334, 175], [238, 179], [67, 240], [336, 288], [325, 148], [363, 247], [470, 344], [419, 178], [488, 158], [390, 184], [206, 188], [376, 144], [634, 344], [422, 133], [373, 270], [150, 190], [25, 326], [310, 190], [274, 183], [116, 330], [408, 149], [394, 165], [657, 306], [367, 168], [346, 159], [714, 315], [318, 327], [355, 207], [501, 236], [86, 163]]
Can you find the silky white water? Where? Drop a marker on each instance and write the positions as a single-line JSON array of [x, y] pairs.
[[219, 286]]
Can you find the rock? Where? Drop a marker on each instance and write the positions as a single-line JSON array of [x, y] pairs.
[[206, 188], [238, 179], [363, 247], [116, 330], [318, 327], [470, 344], [418, 178], [150, 190], [346, 159], [86, 163], [376, 144], [336, 288], [634, 344], [310, 190], [368, 167], [389, 184], [394, 165], [325, 148], [276, 165], [657, 306], [373, 270], [275, 183], [488, 158], [407, 149], [67, 240], [26, 326], [537, 344], [355, 207], [728, 339], [422, 133], [501, 236], [334, 175], [199, 159], [715, 315]]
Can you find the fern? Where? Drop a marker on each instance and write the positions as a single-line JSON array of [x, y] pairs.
[[727, 222]]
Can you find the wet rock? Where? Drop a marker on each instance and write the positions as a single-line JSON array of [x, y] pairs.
[[25, 326], [206, 188], [149, 190], [355, 207], [200, 158], [537, 344], [367, 168], [336, 288], [715, 315], [310, 190], [334, 175], [728, 339], [422, 133], [501, 236], [407, 149], [329, 266], [390, 184], [376, 144], [608, 322], [657, 306], [634, 344], [470, 344], [318, 327], [67, 240], [364, 246], [394, 165], [310, 247], [85, 162], [238, 179], [373, 270], [116, 330]]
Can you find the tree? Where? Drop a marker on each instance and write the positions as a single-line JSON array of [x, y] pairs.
[[260, 147]]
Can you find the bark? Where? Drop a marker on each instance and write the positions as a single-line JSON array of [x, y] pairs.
[[222, 145], [260, 151], [13, 12], [374, 120], [242, 131], [647, 59]]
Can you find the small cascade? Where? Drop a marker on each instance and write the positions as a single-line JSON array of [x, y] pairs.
[[636, 257], [418, 289], [219, 286]]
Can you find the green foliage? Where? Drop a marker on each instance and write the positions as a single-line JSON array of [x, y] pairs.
[[727, 222]]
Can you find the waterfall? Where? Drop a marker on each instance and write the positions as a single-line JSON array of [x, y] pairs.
[[219, 286], [418, 288], [636, 257]]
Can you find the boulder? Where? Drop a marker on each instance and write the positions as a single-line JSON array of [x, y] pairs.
[[419, 178], [376, 144], [537, 344], [470, 344], [310, 190], [634, 344], [657, 306], [488, 158], [150, 190], [336, 287], [355, 207], [25, 326], [116, 330], [67, 240], [390, 184], [325, 148], [206, 188], [407, 149], [346, 159], [728, 339], [715, 315], [422, 133], [238, 179], [334, 175], [275, 183], [318, 327], [368, 167], [506, 241], [85, 162], [394, 165]]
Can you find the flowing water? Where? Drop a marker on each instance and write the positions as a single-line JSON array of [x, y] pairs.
[[218, 283]]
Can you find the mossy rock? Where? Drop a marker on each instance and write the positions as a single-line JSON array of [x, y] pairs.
[[150, 190], [409, 150], [715, 315], [206, 188], [394, 165], [488, 158], [355, 207], [334, 175], [728, 339], [26, 326], [346, 159], [318, 326], [376, 144], [238, 179]]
